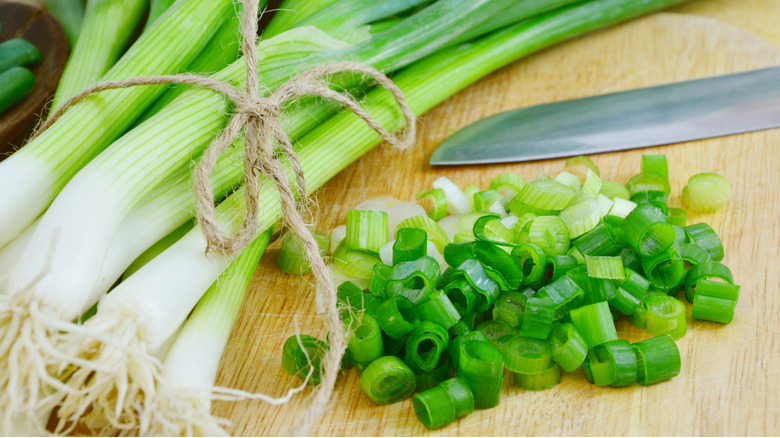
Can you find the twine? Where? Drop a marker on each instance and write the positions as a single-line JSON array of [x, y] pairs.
[[259, 119]]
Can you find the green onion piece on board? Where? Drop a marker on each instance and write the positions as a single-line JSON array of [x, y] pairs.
[[647, 231], [611, 363], [481, 366], [486, 288], [565, 293], [569, 179], [605, 267], [18, 52], [442, 404], [462, 295], [413, 280], [527, 355], [705, 271], [366, 230], [410, 245], [425, 345], [292, 257], [355, 300], [484, 200], [657, 359], [533, 259], [354, 264], [619, 211], [508, 267], [300, 358], [706, 192], [365, 345], [551, 233], [702, 235], [714, 301], [428, 379], [488, 228], [538, 318], [580, 165], [693, 254], [540, 380], [665, 270], [594, 322], [596, 242], [435, 232], [677, 216], [507, 184], [569, 347], [439, 201], [656, 165], [558, 265], [546, 194], [380, 273], [590, 187], [509, 308], [645, 182], [387, 380], [581, 217], [397, 316], [614, 190], [665, 315], [655, 198], [454, 346], [439, 309]]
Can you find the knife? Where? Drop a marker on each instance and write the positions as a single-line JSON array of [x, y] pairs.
[[664, 114]]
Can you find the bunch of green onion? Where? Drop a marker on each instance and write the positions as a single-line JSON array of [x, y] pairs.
[[527, 277], [110, 178]]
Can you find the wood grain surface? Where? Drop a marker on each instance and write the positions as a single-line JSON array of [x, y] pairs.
[[730, 378]]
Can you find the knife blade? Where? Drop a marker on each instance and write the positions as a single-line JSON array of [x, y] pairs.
[[658, 115]]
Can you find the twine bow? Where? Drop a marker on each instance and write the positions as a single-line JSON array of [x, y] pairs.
[[259, 119]]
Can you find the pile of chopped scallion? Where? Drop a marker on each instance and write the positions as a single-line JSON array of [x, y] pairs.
[[524, 276]]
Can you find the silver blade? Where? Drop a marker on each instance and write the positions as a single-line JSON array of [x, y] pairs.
[[664, 114]]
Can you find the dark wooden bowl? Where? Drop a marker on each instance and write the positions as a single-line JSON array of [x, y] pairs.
[[40, 28]]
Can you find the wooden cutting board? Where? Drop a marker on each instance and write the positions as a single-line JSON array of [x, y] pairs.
[[730, 378]]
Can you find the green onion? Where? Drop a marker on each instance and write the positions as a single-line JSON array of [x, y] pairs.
[[425, 344], [508, 270], [611, 363], [439, 309], [596, 242], [18, 52], [664, 270], [397, 316], [581, 217], [301, 357], [594, 322], [703, 236], [481, 366], [565, 294], [538, 317], [657, 359], [614, 190], [413, 280], [655, 164], [665, 315], [706, 192], [569, 347], [462, 295], [291, 12], [495, 330], [645, 182], [380, 272], [428, 379], [509, 308], [693, 254], [533, 259], [569, 179], [70, 14], [527, 355], [705, 271], [157, 8], [366, 230], [435, 232], [454, 349], [105, 31], [655, 198], [356, 265], [410, 245], [291, 257], [486, 288], [714, 301], [365, 345], [677, 216], [387, 380], [605, 267], [590, 187], [507, 184], [355, 300], [540, 380], [439, 200], [559, 265], [444, 403], [580, 165], [550, 233], [546, 194], [647, 231]]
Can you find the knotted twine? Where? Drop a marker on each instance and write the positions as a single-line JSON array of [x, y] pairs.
[[259, 119]]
